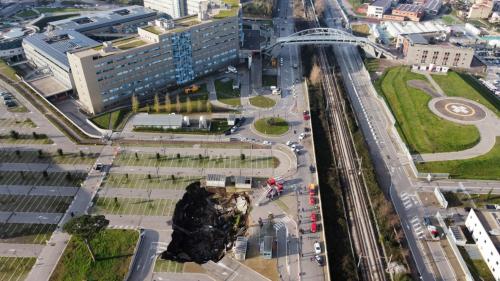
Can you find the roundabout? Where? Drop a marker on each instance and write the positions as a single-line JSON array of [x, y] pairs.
[[458, 110]]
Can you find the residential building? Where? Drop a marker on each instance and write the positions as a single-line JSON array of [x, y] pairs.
[[164, 53], [485, 229], [432, 7], [409, 12], [419, 50], [378, 8], [120, 20], [481, 9], [47, 51]]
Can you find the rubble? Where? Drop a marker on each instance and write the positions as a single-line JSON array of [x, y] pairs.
[[205, 224]]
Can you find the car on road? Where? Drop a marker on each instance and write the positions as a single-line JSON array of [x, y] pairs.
[[227, 132], [266, 142], [289, 143], [297, 81], [302, 136], [98, 166], [317, 247], [234, 129], [10, 103], [319, 260]]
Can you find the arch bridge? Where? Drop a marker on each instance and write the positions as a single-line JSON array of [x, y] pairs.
[[329, 36]]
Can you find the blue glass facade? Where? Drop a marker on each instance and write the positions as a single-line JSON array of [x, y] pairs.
[[182, 54]]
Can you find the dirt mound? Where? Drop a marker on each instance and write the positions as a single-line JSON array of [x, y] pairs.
[[204, 225]]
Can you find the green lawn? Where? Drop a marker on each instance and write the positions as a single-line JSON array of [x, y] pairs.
[[12, 268], [271, 126], [262, 101], [483, 167], [362, 30], [423, 131], [269, 80], [58, 10], [110, 120], [226, 94], [113, 250], [28, 13], [463, 85], [371, 65], [8, 71], [450, 20]]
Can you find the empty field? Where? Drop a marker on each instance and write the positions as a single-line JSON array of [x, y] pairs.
[[113, 250], [484, 167], [25, 233], [15, 269], [38, 178], [423, 131], [134, 206], [27, 203], [141, 181], [22, 156], [194, 161]]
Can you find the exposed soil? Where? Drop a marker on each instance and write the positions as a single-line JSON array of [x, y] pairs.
[[205, 224]]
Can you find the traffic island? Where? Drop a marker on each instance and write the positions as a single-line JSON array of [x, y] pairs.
[[274, 126]]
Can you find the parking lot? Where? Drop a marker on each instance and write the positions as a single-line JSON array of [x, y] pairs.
[[26, 233], [15, 269], [38, 178], [16, 123], [27, 203], [141, 181], [34, 157], [195, 161], [134, 206], [168, 266]]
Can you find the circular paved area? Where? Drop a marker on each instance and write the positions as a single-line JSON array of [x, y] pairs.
[[459, 109]]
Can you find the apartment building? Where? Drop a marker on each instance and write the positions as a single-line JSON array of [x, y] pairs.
[[419, 50], [164, 53], [47, 52], [485, 229], [481, 9], [378, 8]]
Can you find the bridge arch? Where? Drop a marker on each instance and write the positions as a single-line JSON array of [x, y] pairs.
[[328, 36]]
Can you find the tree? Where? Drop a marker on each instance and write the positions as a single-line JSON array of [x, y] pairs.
[[135, 104], [168, 104], [189, 105], [242, 156], [60, 151], [82, 154], [156, 104], [178, 155], [45, 174], [40, 153], [157, 156], [86, 227], [199, 106], [178, 103], [209, 107], [14, 134], [35, 135], [69, 177]]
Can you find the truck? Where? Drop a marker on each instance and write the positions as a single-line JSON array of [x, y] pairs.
[[191, 89]]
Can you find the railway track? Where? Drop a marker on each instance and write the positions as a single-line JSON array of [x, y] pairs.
[[363, 234]]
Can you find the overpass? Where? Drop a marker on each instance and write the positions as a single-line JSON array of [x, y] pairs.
[[316, 36]]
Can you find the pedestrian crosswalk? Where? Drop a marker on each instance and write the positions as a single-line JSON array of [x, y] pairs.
[[280, 223], [417, 226], [122, 226], [159, 247], [407, 202]]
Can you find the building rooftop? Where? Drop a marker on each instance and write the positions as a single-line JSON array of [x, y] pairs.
[[433, 5], [169, 120], [410, 8], [416, 38], [491, 223], [100, 19], [381, 3], [56, 44]]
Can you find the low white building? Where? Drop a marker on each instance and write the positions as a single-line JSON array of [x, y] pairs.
[[243, 182], [162, 121], [485, 229], [378, 8], [215, 180]]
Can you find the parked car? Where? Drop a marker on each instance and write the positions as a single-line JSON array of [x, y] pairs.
[[98, 166], [312, 169], [317, 247], [266, 142], [319, 260], [10, 103]]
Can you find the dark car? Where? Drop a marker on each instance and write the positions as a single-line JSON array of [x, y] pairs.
[[10, 104], [312, 169], [99, 166], [227, 132], [319, 260]]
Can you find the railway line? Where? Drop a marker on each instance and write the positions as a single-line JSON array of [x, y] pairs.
[[363, 234]]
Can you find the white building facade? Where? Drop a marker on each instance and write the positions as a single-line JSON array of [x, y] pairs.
[[485, 230]]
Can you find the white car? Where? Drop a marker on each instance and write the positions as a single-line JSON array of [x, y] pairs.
[[266, 142], [317, 248], [288, 143], [293, 146]]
